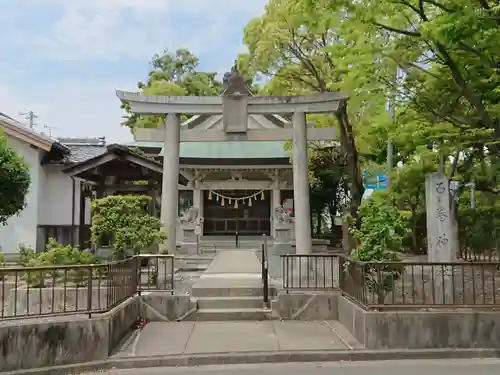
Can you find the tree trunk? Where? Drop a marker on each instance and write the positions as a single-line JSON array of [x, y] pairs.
[[348, 145], [414, 228]]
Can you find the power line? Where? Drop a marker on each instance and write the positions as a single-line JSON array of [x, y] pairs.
[[30, 116], [50, 128]]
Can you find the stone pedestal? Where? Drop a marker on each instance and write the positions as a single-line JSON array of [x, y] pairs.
[[283, 232], [189, 240]]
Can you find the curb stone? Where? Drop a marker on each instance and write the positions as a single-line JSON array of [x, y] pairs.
[[186, 360]]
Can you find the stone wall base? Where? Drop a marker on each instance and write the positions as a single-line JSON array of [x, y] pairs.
[[62, 340], [420, 329]]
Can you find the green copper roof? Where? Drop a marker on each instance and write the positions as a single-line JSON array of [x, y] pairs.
[[225, 150], [145, 144]]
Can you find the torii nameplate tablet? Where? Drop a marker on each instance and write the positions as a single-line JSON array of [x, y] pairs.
[[235, 113]]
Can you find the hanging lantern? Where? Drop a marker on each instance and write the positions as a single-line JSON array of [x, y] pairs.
[[210, 195], [217, 197], [250, 202], [229, 200], [235, 204], [222, 201], [262, 197]]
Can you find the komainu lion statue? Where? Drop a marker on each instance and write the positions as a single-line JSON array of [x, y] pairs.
[[190, 215], [281, 215]]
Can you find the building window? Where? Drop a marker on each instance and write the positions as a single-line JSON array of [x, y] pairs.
[[185, 200]]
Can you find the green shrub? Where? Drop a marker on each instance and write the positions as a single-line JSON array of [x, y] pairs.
[[59, 255], [382, 230], [380, 238], [36, 278], [26, 253], [125, 220], [479, 230]]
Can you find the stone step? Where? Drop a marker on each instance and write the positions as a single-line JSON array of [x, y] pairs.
[[227, 292], [231, 245], [230, 303], [217, 315], [230, 292]]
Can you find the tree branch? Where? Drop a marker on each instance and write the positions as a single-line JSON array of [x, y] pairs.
[[492, 64], [440, 6], [454, 165], [398, 31]]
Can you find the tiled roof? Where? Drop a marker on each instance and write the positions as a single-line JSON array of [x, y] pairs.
[[4, 115], [81, 153]]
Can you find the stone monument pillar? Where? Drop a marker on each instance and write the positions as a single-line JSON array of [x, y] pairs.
[[439, 226], [439, 236]]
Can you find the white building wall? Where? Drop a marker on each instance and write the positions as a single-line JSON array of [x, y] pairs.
[[21, 229], [56, 203]]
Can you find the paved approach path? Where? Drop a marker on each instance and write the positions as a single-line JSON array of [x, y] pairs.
[[232, 268], [407, 367], [235, 262], [235, 337]]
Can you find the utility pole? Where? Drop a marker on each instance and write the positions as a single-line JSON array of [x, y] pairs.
[[390, 151], [30, 116], [49, 129]]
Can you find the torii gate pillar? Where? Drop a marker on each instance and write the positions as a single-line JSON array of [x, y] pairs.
[[303, 240], [170, 188]]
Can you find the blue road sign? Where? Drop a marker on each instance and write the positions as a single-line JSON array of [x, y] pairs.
[[377, 182]]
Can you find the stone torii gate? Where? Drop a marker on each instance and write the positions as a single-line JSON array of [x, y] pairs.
[[235, 108]]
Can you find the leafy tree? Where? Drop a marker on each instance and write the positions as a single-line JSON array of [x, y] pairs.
[[329, 185], [298, 47], [408, 193], [14, 182], [449, 51], [173, 74], [125, 220]]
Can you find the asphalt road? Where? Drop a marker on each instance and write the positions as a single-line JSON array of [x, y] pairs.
[[408, 367]]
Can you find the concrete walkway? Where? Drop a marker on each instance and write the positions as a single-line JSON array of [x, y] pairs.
[[158, 339], [232, 269], [237, 262]]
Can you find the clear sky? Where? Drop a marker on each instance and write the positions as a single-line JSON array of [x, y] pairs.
[[63, 59]]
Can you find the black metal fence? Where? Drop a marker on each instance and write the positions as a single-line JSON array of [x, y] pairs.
[[81, 289], [397, 285], [310, 272]]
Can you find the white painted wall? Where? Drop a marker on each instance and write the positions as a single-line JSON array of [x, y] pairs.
[[21, 229], [56, 202]]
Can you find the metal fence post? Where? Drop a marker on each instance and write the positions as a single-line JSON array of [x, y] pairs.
[[89, 290], [265, 272]]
